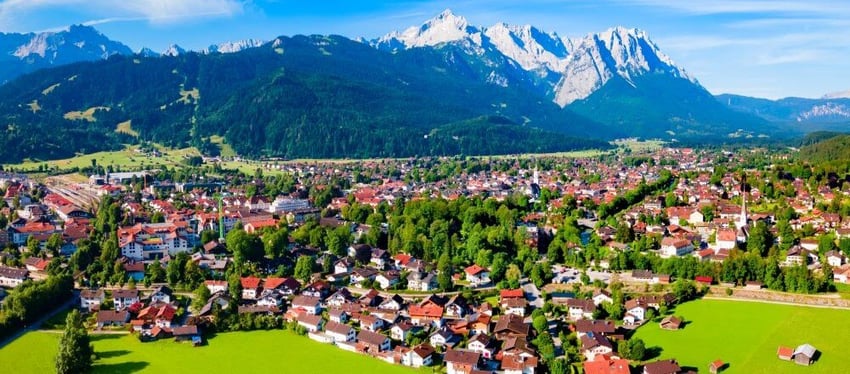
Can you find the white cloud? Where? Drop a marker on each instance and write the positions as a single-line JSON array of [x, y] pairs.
[[106, 11], [823, 7]]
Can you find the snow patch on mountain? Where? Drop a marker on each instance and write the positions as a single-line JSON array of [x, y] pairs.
[[825, 111], [147, 52], [445, 27], [233, 47], [77, 43], [173, 50], [531, 48], [621, 52]]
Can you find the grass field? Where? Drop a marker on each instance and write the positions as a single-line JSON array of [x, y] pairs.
[[242, 352], [127, 159], [640, 146], [747, 334]]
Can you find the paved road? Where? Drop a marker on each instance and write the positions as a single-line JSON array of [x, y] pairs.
[[357, 290], [532, 293], [35, 325]]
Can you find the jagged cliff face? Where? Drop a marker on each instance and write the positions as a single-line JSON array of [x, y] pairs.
[[576, 68]]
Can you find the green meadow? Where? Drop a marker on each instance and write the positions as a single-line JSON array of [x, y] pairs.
[[747, 334]]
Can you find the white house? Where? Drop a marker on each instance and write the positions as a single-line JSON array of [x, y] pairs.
[[387, 279], [310, 304], [671, 247], [696, 217], [461, 361], [91, 299], [400, 331], [340, 332], [122, 299], [417, 281], [835, 258], [12, 277], [601, 296], [371, 322], [310, 322], [250, 287], [593, 345], [338, 315], [580, 309], [725, 239], [635, 312], [421, 355], [477, 275], [216, 286], [373, 341], [483, 344], [161, 294]]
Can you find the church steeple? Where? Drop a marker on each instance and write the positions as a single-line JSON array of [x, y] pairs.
[[742, 219], [536, 178]]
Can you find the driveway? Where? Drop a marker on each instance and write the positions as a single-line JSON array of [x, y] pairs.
[[532, 294]]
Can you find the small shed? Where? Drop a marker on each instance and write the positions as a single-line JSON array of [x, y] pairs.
[[785, 353], [716, 366], [804, 354], [671, 323]]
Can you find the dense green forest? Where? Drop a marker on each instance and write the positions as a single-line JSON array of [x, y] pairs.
[[656, 105], [829, 150]]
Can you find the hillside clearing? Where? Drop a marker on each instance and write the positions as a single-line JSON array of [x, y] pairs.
[[87, 114]]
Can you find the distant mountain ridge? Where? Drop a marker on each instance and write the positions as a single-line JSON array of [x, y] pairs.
[[26, 53], [806, 114]]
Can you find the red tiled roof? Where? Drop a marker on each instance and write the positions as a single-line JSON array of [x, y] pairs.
[[511, 293], [432, 311], [250, 282], [474, 269]]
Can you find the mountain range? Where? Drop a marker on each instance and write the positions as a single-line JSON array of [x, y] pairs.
[[831, 112], [429, 89]]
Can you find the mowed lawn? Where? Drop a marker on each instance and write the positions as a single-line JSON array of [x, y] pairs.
[[747, 334], [241, 352]]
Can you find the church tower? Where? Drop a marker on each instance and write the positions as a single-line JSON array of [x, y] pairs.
[[742, 219]]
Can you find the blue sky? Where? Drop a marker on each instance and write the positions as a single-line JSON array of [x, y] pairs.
[[753, 47]]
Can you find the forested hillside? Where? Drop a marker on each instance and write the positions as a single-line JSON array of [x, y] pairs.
[[294, 97]]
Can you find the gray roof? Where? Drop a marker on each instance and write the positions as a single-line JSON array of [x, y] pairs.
[[806, 349]]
